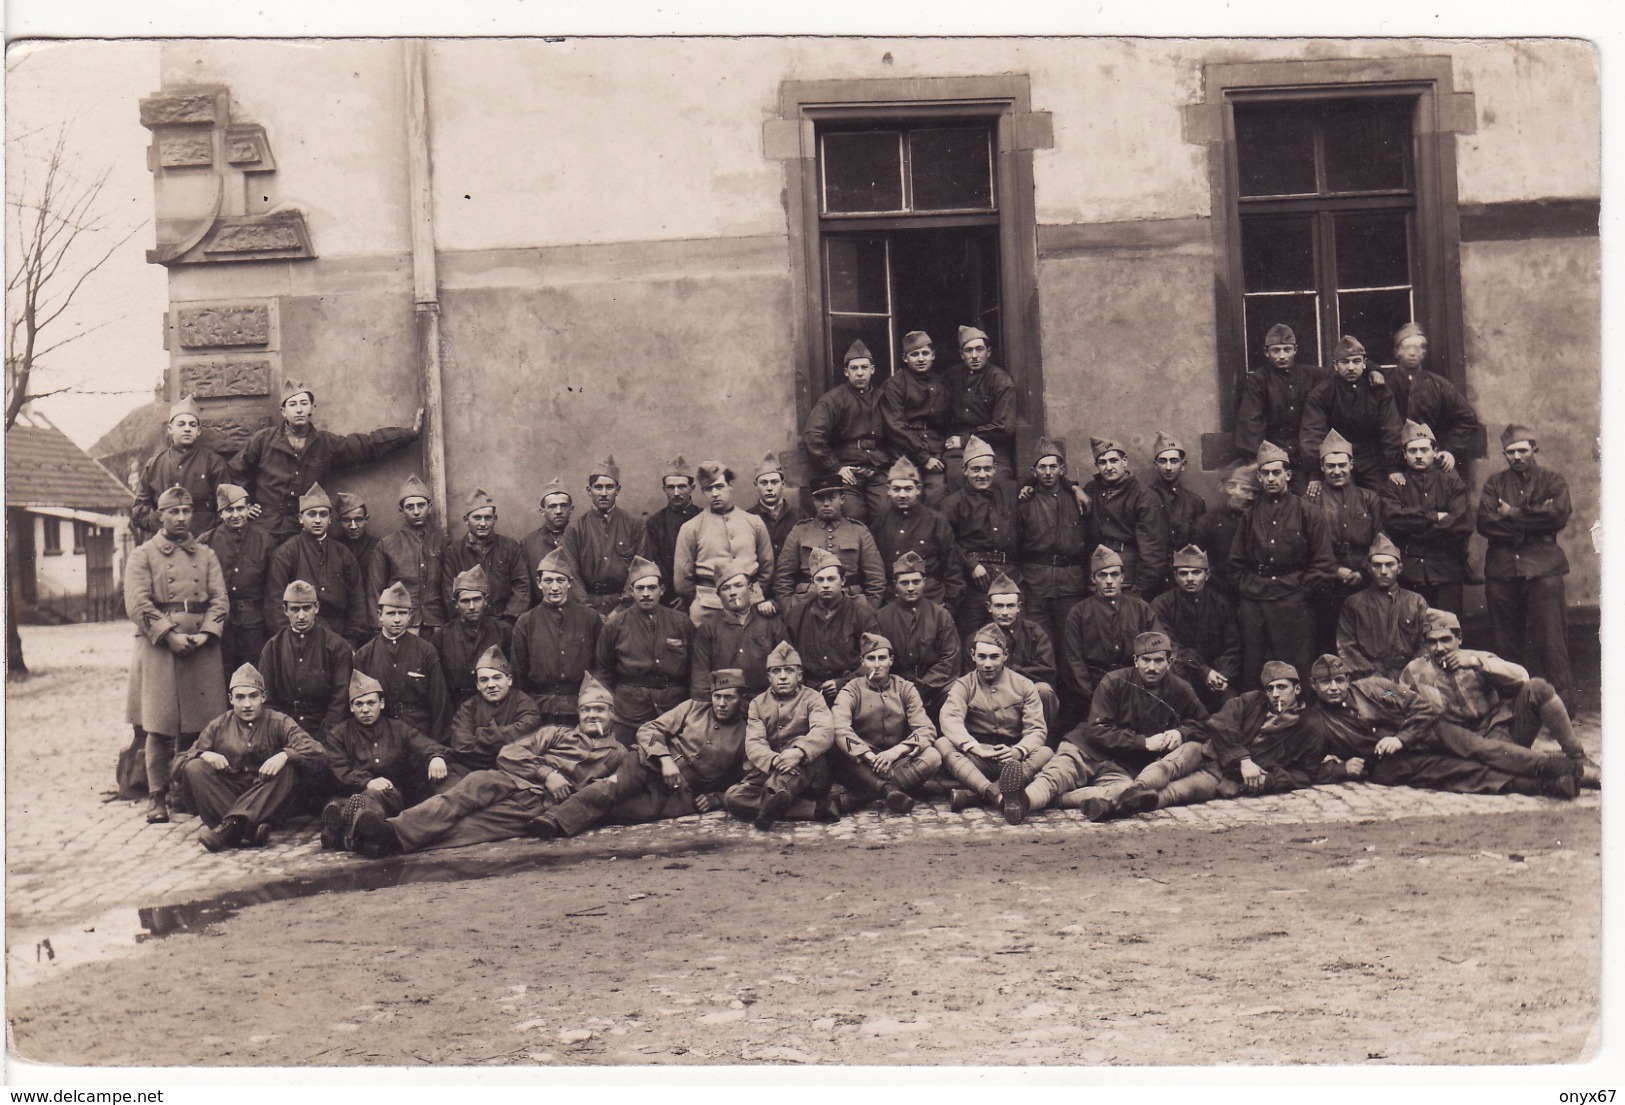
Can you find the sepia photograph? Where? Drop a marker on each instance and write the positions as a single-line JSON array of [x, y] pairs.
[[793, 552]]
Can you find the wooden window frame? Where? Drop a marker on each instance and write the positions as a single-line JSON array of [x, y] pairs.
[[51, 535]]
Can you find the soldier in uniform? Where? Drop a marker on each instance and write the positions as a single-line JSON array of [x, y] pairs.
[[244, 552], [788, 731], [495, 717], [842, 436], [602, 542], [1264, 741], [1100, 630], [643, 653], [981, 404], [183, 463], [778, 512], [885, 744], [1223, 519], [306, 666], [914, 415], [1428, 516], [1202, 623], [982, 515], [351, 510], [498, 556], [1032, 651], [1182, 507], [556, 643], [739, 637], [827, 625], [719, 535], [992, 723], [1379, 630], [1520, 512], [660, 529], [469, 634], [1272, 403], [925, 640], [175, 594], [314, 556], [1127, 519], [556, 507], [411, 556], [1353, 516], [406, 666], [1362, 410], [1427, 397], [908, 526], [1052, 534], [280, 463], [832, 532]]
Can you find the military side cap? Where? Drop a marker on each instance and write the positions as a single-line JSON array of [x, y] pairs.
[[783, 656], [991, 634], [730, 568], [1103, 557], [1154, 640], [872, 641], [174, 496], [857, 351], [724, 678], [495, 659], [290, 388], [300, 590], [1347, 347], [1280, 334], [1244, 475], [708, 472], [246, 676], [903, 469], [641, 568], [1003, 585], [314, 499], [1416, 431], [361, 683], [229, 494], [593, 693], [969, 334], [1165, 442], [1515, 433], [1100, 446], [910, 561], [915, 339], [1409, 330], [478, 499], [819, 559], [825, 482], [1049, 447], [1269, 453], [556, 561], [770, 462], [1381, 545], [1326, 666], [349, 503], [605, 467], [676, 466], [1435, 620], [412, 488], [554, 486], [976, 448], [1335, 443], [473, 579], [396, 595], [1279, 669], [1190, 557], [185, 405]]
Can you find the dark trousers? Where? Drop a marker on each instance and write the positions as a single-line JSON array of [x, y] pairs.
[[1439, 596], [865, 784], [1274, 629], [483, 806], [241, 645], [1440, 772], [1327, 607], [248, 794], [160, 753], [634, 795], [1051, 614], [806, 784], [1528, 619], [1506, 747]]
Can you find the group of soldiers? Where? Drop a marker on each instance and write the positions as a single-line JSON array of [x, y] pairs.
[[942, 626]]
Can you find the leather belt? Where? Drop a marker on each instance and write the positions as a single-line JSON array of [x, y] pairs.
[[990, 557], [182, 607], [1072, 561]]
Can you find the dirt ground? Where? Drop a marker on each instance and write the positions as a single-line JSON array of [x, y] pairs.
[[1471, 939]]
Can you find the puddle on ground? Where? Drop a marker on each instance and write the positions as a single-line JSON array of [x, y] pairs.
[[34, 956]]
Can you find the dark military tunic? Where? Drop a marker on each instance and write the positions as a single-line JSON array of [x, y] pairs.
[[1218, 533], [914, 415], [553, 647], [505, 572], [307, 676], [923, 531], [1125, 711], [925, 643], [411, 557], [1271, 408], [1129, 519], [480, 730], [852, 544], [1183, 509], [1430, 399], [197, 468], [1281, 549], [388, 749], [660, 531], [644, 659], [730, 640], [460, 644], [414, 684], [1204, 631], [779, 525], [985, 528], [1380, 631], [983, 403], [844, 428], [245, 561], [1052, 536], [829, 639], [275, 474], [601, 546], [1353, 517], [1100, 636], [1524, 546], [1435, 549], [1031, 652], [362, 551], [1287, 747], [532, 548], [1362, 412], [328, 566]]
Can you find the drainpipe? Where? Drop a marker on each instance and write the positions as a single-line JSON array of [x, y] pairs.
[[425, 278]]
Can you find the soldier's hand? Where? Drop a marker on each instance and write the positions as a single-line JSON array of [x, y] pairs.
[[417, 422], [1387, 746], [1354, 768], [380, 784], [670, 775], [1348, 576], [933, 464], [1000, 753], [215, 760], [1216, 681], [890, 758], [557, 786], [955, 442], [1252, 776], [849, 475], [1082, 496], [1377, 378], [1025, 493], [1504, 508], [274, 765], [1312, 492], [705, 803], [1397, 479], [437, 769], [829, 688], [179, 643], [1467, 660], [979, 574], [1447, 460], [255, 510], [767, 608]]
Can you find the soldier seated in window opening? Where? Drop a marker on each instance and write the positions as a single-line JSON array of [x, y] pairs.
[[507, 576], [843, 436], [1380, 628], [1428, 517], [788, 732], [914, 415], [1202, 623], [468, 635], [1427, 397], [993, 737], [1271, 404], [1358, 405]]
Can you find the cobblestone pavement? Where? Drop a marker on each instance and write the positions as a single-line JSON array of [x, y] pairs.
[[71, 855]]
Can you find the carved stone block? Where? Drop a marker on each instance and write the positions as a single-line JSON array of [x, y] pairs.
[[194, 108], [229, 327], [231, 431], [256, 238], [248, 149], [223, 377], [186, 149]]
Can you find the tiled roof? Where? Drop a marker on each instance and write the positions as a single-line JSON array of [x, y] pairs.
[[44, 468]]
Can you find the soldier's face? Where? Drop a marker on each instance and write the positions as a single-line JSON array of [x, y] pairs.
[[492, 684], [1282, 694], [1350, 368], [826, 584], [1283, 355], [603, 491], [877, 665], [769, 489], [979, 473], [471, 606], [1152, 666], [556, 511], [1441, 643], [316, 521], [646, 593], [1048, 472], [1384, 572], [1004, 609], [1337, 468], [367, 708], [1170, 465], [921, 359], [1333, 689], [719, 495], [1274, 477], [297, 410], [1419, 455], [247, 702], [554, 587], [354, 524], [1410, 353], [235, 516], [859, 371], [975, 354], [393, 620], [827, 506], [735, 594], [301, 615], [415, 509], [1239, 496], [1112, 466], [679, 491], [176, 520], [1109, 582], [726, 703], [1520, 455], [989, 660], [183, 429], [903, 493], [594, 719], [784, 679], [1190, 580], [482, 523], [910, 586]]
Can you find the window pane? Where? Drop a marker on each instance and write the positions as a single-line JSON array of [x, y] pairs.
[[951, 168], [1372, 250], [857, 274], [863, 171], [1275, 149], [1368, 145], [1278, 253], [1301, 312], [873, 332], [1373, 317]]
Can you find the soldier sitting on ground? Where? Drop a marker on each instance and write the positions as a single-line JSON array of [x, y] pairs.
[[1263, 740], [380, 763], [993, 731], [788, 730], [884, 739]]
